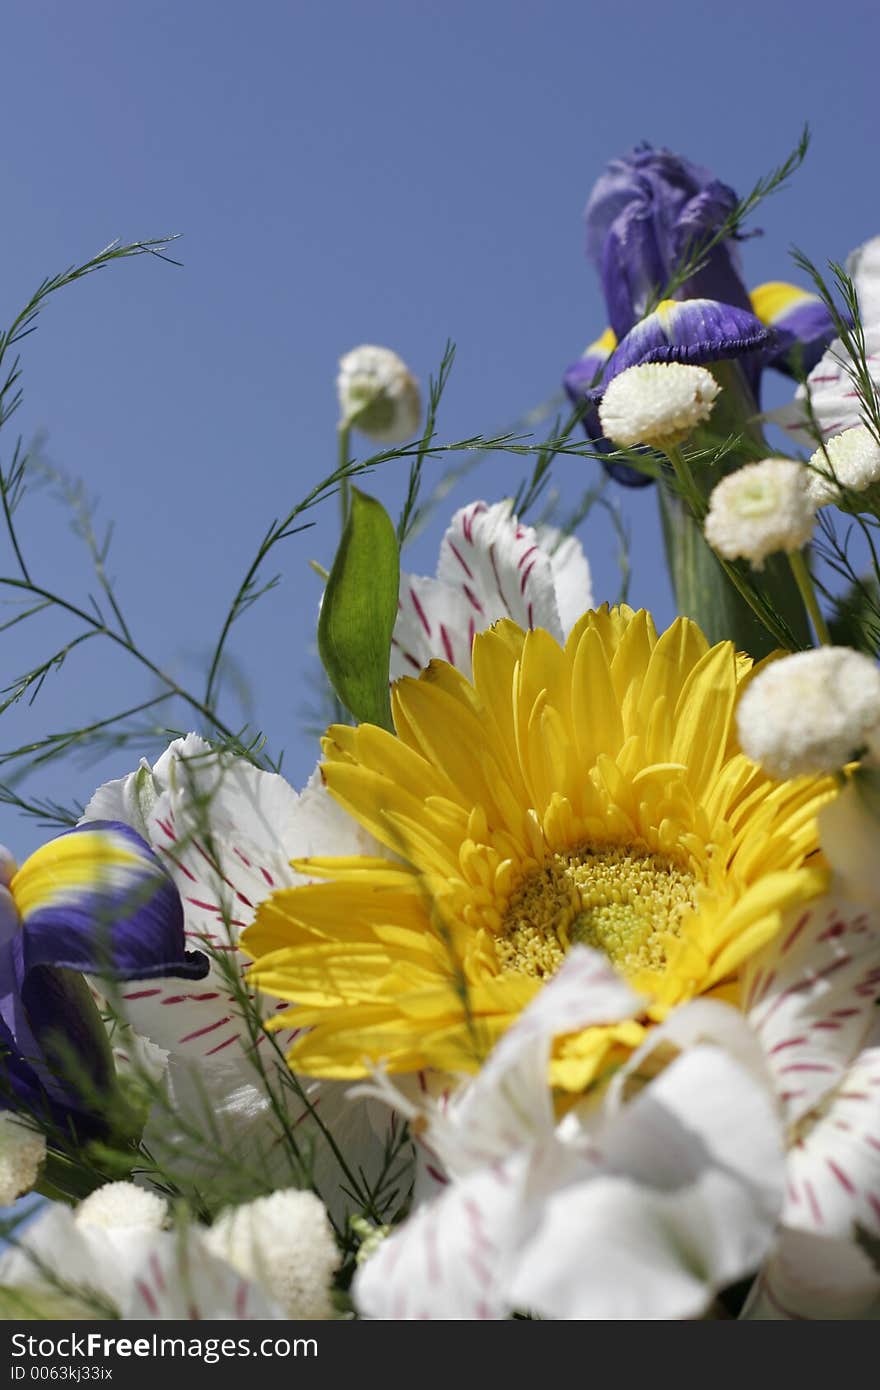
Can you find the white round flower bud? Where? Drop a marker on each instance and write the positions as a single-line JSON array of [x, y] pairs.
[[378, 394], [811, 712], [658, 403], [22, 1151], [759, 509], [122, 1206], [285, 1243], [850, 460]]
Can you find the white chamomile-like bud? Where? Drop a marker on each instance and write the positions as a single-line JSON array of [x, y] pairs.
[[285, 1243], [378, 394], [22, 1151], [811, 712], [850, 460], [759, 509], [124, 1207], [657, 403]]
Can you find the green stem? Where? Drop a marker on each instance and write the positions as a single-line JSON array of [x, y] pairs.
[[804, 580], [344, 436], [686, 480]]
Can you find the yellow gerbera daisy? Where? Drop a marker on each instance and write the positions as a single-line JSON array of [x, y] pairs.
[[592, 793]]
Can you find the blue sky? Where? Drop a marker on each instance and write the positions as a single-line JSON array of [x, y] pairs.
[[341, 172]]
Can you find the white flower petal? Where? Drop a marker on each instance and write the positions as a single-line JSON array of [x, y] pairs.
[[508, 1105], [863, 266], [809, 1277], [572, 579], [434, 620], [490, 567], [448, 1258], [228, 1133], [180, 1279], [848, 831], [682, 1200], [810, 997], [833, 397], [834, 1167], [500, 568]]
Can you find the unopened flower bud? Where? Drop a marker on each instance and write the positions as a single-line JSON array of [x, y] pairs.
[[811, 712], [285, 1243], [657, 403], [759, 509], [850, 462], [22, 1151], [378, 394]]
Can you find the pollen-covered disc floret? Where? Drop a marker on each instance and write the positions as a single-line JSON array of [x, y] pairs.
[[378, 394], [850, 462], [627, 904], [22, 1151], [657, 403], [122, 1206], [760, 509], [588, 793], [811, 712]]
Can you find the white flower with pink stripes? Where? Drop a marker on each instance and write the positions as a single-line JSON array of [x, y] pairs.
[[812, 1000], [490, 567], [834, 401], [756, 1150], [640, 1206], [67, 1264], [226, 832]]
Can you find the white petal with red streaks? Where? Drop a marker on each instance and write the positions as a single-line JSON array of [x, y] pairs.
[[810, 997], [180, 1279], [448, 1260], [572, 580], [834, 1167], [833, 396], [226, 831], [433, 620], [499, 567]]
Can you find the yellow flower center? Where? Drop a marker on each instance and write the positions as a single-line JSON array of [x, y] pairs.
[[628, 904]]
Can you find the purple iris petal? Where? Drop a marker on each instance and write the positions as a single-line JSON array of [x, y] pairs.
[[580, 384], [803, 332], [644, 215], [124, 922], [694, 331], [55, 1057]]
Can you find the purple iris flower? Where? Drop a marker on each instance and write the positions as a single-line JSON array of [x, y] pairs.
[[644, 215], [695, 331], [96, 900]]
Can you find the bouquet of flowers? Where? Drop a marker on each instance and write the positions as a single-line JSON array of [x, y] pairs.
[[554, 993]]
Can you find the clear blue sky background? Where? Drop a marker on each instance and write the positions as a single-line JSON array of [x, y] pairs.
[[344, 172]]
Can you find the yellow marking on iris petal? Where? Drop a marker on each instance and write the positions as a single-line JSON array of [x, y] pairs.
[[71, 865], [774, 299], [604, 345], [593, 792]]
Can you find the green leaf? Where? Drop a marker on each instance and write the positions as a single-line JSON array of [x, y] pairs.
[[359, 611]]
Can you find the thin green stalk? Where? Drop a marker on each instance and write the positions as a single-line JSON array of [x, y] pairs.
[[803, 578], [343, 431]]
